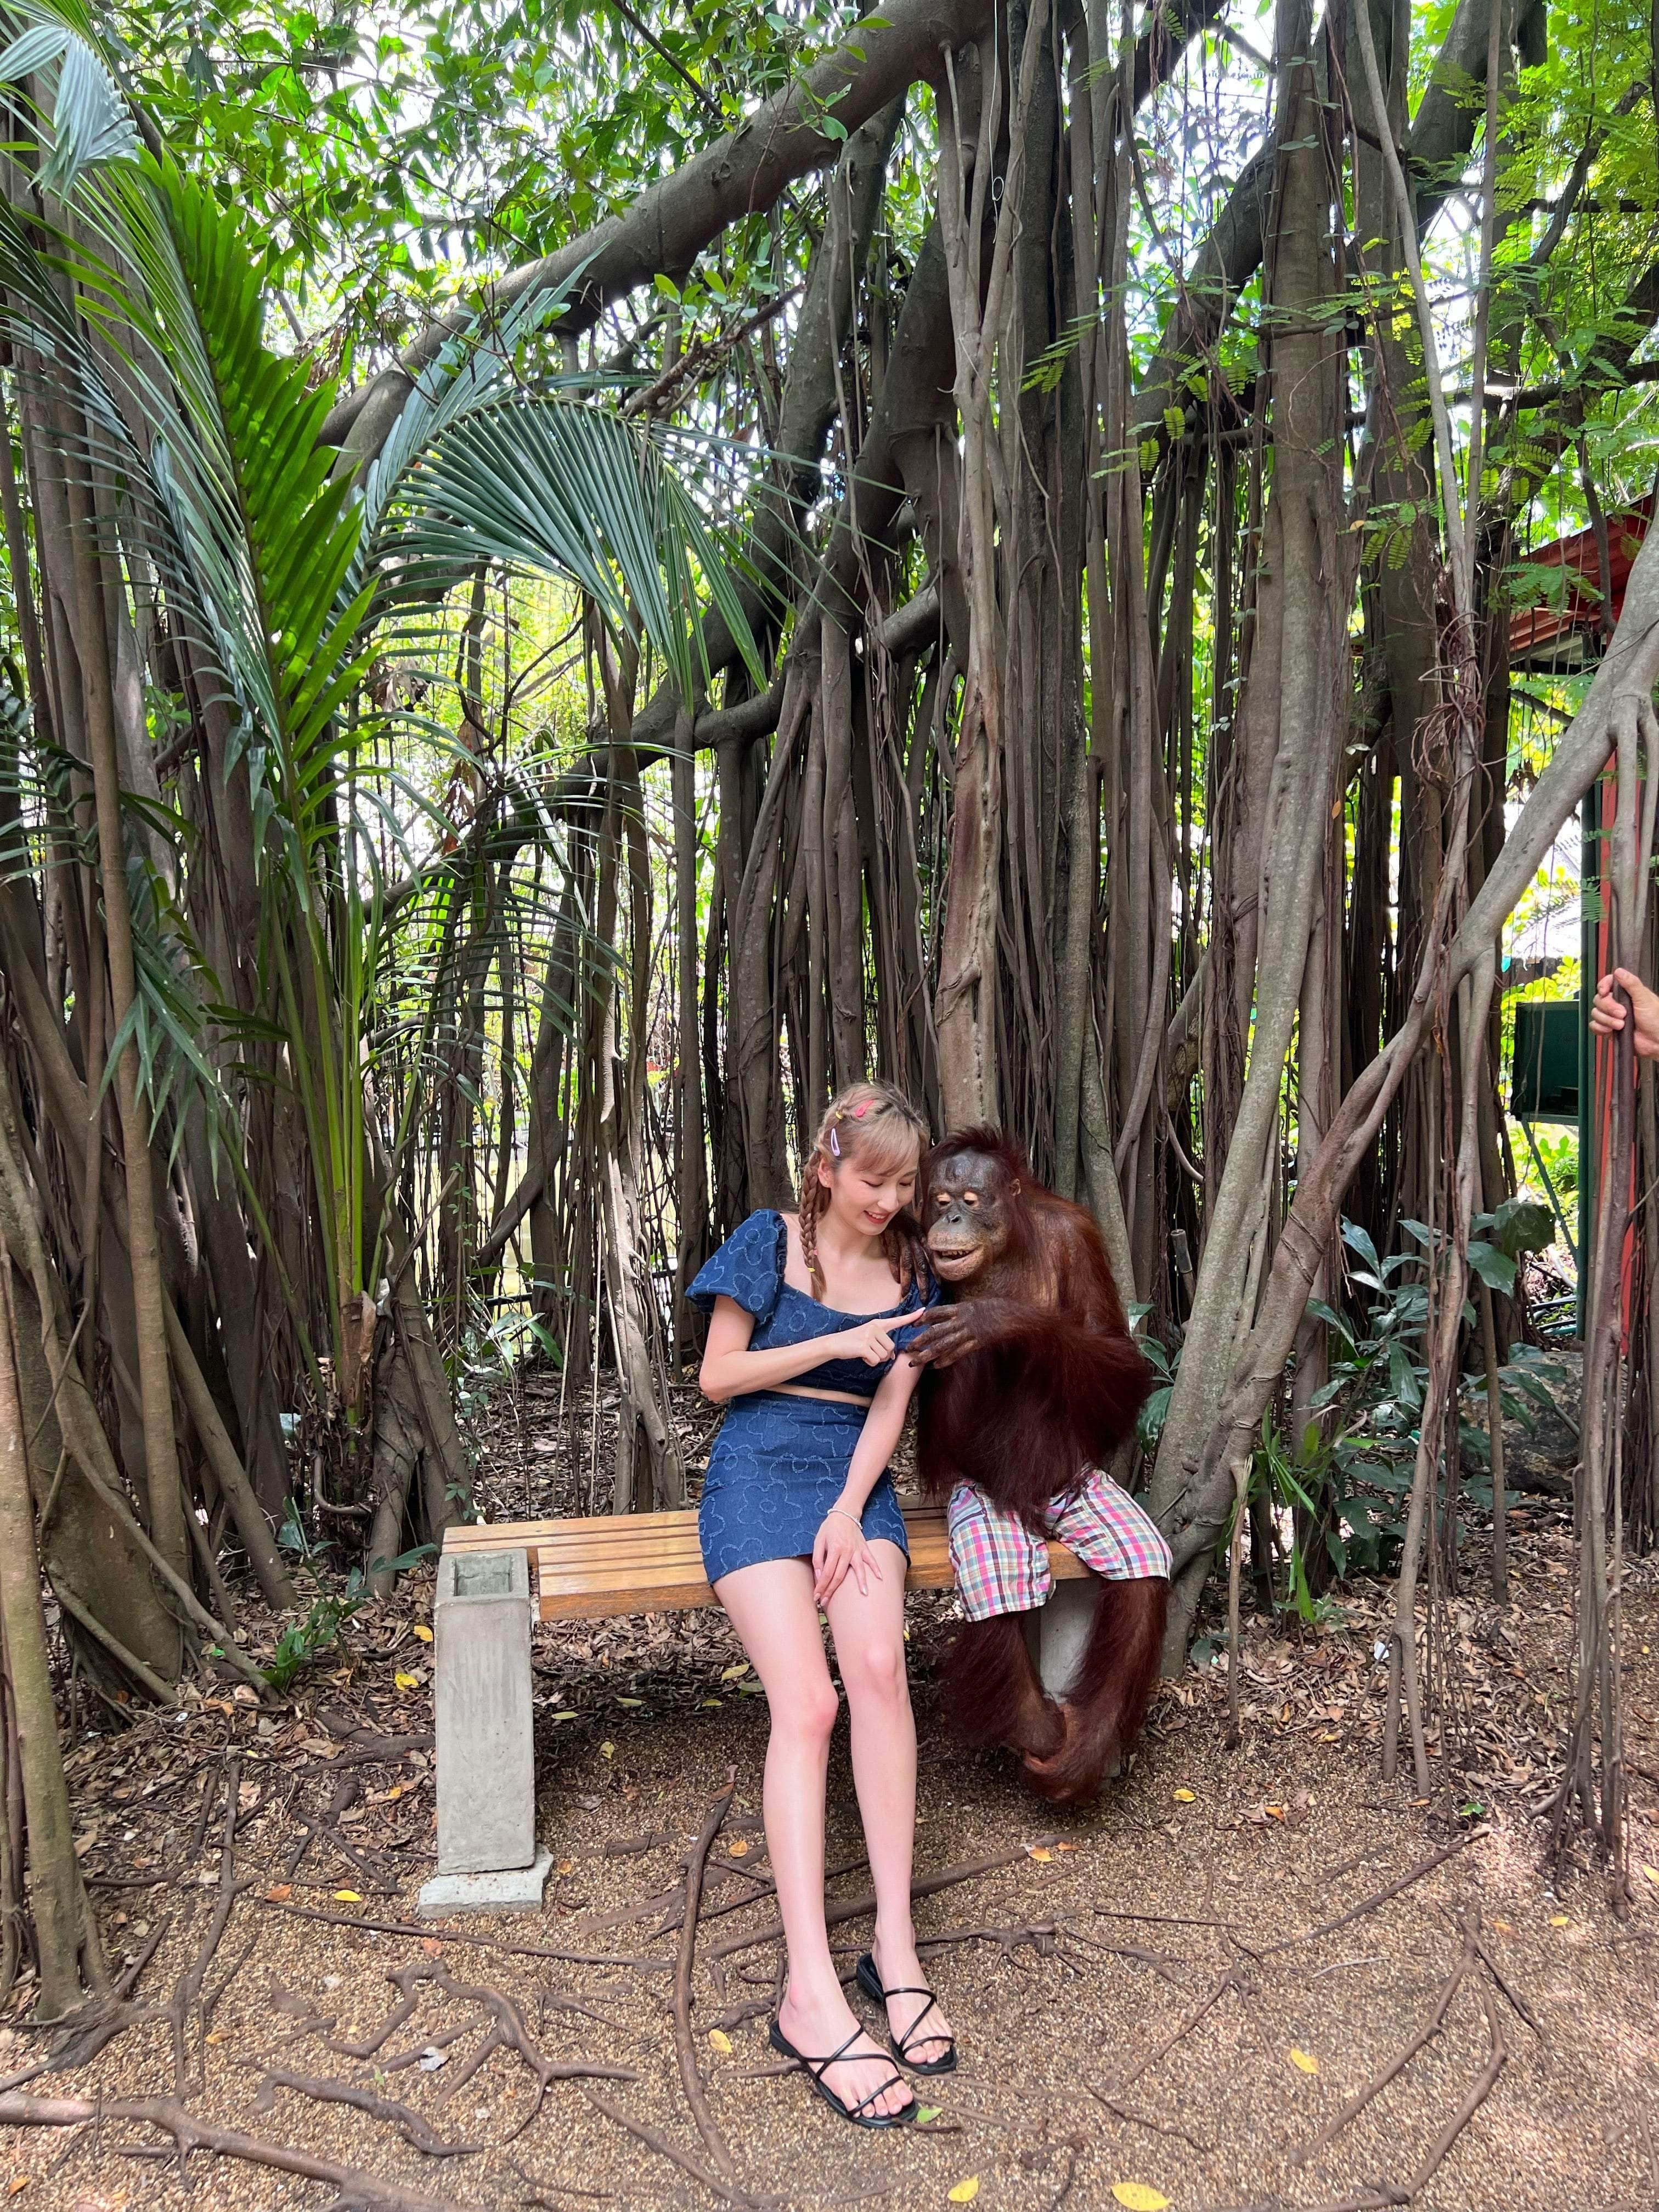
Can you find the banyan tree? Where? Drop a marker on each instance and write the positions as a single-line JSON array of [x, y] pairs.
[[978, 544]]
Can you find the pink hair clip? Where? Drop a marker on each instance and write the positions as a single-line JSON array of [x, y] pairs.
[[861, 1110]]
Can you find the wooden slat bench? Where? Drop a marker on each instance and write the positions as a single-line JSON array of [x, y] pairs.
[[490, 1579], [629, 1563]]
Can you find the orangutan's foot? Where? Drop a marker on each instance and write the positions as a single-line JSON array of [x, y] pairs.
[[1054, 1778], [1043, 1722], [1038, 1764]]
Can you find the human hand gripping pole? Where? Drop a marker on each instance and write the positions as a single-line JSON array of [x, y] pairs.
[[1616, 991]]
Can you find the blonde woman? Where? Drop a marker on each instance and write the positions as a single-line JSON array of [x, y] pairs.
[[798, 1516]]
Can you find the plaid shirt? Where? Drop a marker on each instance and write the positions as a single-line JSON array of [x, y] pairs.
[[1001, 1567]]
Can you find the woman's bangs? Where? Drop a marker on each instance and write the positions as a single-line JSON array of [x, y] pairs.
[[888, 1149]]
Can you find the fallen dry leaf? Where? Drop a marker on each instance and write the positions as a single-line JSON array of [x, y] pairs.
[[1304, 2060], [965, 2192], [1042, 1854], [348, 1897], [1186, 1797], [422, 1632], [279, 1893], [722, 2041], [1139, 2197], [407, 1682]]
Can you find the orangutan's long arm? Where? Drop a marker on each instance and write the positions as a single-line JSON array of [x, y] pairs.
[[1050, 1374]]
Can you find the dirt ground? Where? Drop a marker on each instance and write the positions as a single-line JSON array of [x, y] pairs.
[[1179, 1988]]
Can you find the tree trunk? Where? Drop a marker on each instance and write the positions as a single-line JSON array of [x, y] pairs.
[[163, 1482], [70, 1957], [1300, 593]]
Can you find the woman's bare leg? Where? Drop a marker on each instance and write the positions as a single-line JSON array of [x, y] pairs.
[[868, 1627], [771, 1607]]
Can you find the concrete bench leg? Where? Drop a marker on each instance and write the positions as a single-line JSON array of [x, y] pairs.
[[1058, 1632], [488, 1860]]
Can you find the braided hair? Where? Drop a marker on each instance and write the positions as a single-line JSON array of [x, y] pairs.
[[864, 1119]]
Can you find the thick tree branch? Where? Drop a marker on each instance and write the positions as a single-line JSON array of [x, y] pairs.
[[1441, 135], [664, 230]]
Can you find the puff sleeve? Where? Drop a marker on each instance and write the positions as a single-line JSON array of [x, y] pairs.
[[902, 1338], [748, 1268]]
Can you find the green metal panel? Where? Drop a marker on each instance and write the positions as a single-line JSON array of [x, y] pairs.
[[1544, 1079]]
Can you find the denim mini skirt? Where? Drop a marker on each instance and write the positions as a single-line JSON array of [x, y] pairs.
[[777, 1468]]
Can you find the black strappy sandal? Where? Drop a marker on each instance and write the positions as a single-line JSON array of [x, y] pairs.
[[870, 1983], [816, 2069]]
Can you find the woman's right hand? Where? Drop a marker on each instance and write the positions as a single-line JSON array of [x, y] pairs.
[[871, 1341]]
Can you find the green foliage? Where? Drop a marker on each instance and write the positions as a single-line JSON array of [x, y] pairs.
[[545, 484], [261, 546], [384, 163], [1149, 1424], [302, 1641], [1559, 1150], [272, 529], [1372, 1404], [492, 1353], [308, 1638], [85, 119], [1289, 1482]]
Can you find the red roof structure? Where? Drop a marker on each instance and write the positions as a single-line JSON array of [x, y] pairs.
[[1561, 631]]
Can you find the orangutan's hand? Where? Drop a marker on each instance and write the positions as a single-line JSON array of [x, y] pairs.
[[948, 1334]]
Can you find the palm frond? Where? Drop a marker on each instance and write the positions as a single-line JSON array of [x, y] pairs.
[[465, 374], [90, 121], [270, 533], [544, 484]]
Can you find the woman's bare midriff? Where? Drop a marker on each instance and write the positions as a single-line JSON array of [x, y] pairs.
[[828, 1397]]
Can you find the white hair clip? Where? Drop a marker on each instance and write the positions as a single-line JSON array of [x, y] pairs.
[[835, 1144]]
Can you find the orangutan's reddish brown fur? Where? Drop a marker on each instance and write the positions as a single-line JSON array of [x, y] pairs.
[[1031, 1377]]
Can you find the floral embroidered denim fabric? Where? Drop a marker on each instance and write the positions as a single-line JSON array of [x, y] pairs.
[[749, 1269], [779, 1462], [777, 1468]]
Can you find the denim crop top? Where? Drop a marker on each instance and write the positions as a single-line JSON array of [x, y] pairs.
[[749, 1269]]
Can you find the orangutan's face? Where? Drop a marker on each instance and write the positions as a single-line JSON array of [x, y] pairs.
[[970, 1199]]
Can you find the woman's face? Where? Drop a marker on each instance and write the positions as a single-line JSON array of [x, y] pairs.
[[864, 1196]]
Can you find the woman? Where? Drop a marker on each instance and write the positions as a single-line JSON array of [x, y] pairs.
[[797, 1514]]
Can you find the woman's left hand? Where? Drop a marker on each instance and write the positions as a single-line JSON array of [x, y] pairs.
[[841, 1550]]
